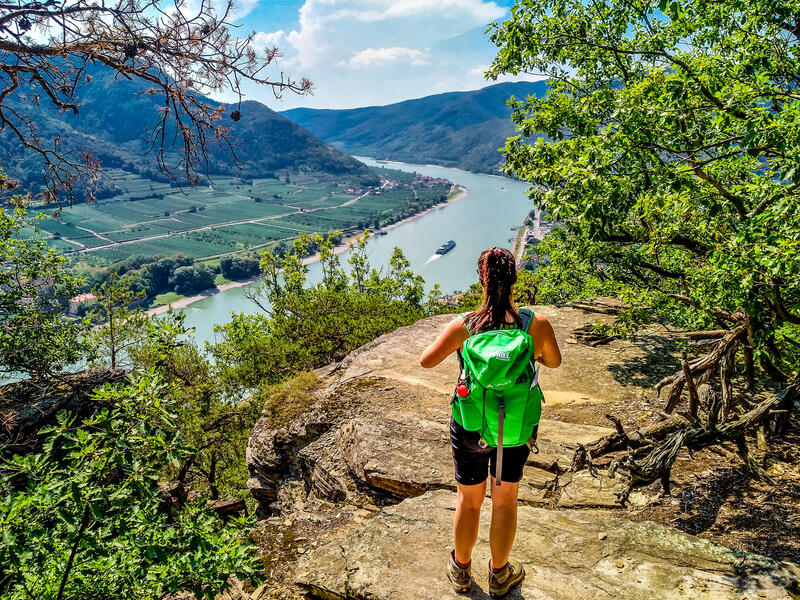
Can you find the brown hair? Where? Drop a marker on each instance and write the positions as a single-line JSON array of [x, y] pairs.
[[498, 272]]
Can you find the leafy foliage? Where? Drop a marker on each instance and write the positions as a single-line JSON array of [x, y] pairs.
[[191, 279], [86, 518], [216, 425], [674, 159], [306, 326], [239, 267], [36, 337]]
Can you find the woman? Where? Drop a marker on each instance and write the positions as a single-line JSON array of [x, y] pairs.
[[474, 460]]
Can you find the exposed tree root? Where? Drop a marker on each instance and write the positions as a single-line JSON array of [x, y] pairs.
[[620, 440], [694, 434], [721, 355]]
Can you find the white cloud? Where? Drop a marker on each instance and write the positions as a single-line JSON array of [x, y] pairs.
[[388, 9], [240, 7], [334, 29], [475, 77], [263, 40], [366, 52], [385, 56], [477, 71]]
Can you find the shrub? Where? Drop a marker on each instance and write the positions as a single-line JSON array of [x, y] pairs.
[[87, 519]]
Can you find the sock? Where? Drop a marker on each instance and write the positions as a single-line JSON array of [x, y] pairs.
[[496, 570], [460, 564]]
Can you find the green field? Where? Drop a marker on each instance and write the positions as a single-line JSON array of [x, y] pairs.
[[146, 217]]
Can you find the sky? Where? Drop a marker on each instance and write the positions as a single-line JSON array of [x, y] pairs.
[[371, 52]]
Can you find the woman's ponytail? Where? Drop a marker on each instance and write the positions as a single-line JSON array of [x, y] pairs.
[[498, 273]]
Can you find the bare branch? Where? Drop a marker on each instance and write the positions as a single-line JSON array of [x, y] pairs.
[[46, 49]]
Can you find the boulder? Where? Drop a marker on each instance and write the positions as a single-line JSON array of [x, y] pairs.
[[400, 454], [226, 507], [401, 554], [272, 454]]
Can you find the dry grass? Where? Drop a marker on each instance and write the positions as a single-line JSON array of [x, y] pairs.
[[285, 401]]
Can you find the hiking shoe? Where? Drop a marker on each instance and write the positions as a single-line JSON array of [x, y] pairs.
[[501, 582], [460, 577]]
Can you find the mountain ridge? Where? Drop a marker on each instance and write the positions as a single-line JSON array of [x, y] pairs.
[[453, 129], [113, 118]]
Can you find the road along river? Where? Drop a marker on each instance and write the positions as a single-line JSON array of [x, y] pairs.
[[483, 218]]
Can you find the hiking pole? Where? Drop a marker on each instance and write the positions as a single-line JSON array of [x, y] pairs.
[[501, 415]]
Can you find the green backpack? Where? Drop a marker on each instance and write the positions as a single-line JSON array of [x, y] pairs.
[[505, 400]]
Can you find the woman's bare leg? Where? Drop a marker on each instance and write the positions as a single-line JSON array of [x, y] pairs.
[[468, 514], [504, 521]]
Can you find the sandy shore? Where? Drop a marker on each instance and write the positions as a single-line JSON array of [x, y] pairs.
[[343, 246]]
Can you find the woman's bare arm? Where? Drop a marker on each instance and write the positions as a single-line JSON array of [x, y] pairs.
[[447, 343], [544, 340]]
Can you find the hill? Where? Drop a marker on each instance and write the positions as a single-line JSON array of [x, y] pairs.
[[115, 114], [456, 129]]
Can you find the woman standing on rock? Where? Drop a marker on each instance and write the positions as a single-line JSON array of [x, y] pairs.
[[474, 460]]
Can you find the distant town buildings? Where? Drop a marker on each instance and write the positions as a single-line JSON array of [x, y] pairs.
[[79, 300]]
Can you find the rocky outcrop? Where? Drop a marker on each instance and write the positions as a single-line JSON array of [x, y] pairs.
[[28, 406], [399, 455], [402, 552], [360, 488], [272, 455]]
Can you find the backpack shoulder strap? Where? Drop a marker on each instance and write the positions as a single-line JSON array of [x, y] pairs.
[[464, 318], [526, 315]]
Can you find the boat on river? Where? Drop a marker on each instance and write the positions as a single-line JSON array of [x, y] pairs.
[[446, 247]]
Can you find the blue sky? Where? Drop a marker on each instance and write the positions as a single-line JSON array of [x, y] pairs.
[[367, 52]]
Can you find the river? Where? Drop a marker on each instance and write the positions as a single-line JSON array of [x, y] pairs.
[[482, 219]]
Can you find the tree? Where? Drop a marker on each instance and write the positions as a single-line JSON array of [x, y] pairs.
[[120, 327], [304, 326], [191, 279], [216, 425], [672, 160], [48, 50], [239, 267], [86, 518], [37, 338], [159, 272]]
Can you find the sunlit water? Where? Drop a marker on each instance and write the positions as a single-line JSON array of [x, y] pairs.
[[482, 219]]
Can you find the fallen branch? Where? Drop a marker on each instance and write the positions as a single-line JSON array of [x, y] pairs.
[[620, 440]]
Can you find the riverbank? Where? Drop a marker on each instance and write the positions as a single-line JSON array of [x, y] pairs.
[[460, 193], [342, 247], [518, 243]]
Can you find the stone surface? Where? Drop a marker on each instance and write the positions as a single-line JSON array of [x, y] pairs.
[[228, 506], [568, 434], [272, 454], [401, 454], [378, 437], [401, 554], [582, 490], [396, 356], [586, 374], [404, 456]]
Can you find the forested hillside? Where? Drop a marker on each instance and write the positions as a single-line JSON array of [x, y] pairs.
[[456, 129], [114, 118]]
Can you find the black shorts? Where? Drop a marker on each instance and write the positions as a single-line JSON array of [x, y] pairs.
[[473, 462]]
